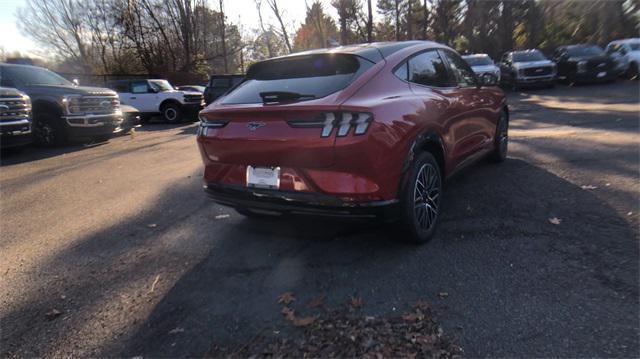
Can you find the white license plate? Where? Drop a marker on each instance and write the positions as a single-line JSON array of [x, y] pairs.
[[263, 177], [602, 74]]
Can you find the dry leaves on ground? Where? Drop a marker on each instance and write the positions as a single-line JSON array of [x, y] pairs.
[[343, 335], [286, 298]]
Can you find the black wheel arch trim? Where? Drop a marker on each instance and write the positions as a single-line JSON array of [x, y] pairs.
[[423, 140]]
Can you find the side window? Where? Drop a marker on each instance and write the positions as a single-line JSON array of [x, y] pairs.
[[460, 69], [139, 87], [428, 69], [120, 86], [505, 58], [401, 72]]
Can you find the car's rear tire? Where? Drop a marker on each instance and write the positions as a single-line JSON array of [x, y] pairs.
[[421, 198], [501, 139], [172, 113], [48, 130]]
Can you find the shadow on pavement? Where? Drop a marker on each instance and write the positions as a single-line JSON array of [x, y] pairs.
[[517, 284]]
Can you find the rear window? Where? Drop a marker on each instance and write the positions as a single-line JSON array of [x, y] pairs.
[[527, 56], [478, 60], [313, 76], [587, 50]]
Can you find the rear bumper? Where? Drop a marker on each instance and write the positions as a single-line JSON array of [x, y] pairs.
[[301, 203]]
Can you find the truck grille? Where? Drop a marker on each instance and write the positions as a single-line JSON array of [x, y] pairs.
[[538, 71], [193, 98], [14, 109], [94, 105]]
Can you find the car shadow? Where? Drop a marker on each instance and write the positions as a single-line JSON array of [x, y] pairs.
[[29, 153], [516, 284]]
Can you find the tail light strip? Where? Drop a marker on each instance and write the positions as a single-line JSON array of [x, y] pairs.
[[343, 121]]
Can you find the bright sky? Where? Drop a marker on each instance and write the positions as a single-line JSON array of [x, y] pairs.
[[238, 11]]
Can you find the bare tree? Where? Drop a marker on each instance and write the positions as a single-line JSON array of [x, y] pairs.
[[273, 4], [265, 34], [224, 39], [369, 22], [59, 24]]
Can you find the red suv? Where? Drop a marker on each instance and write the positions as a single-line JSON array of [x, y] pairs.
[[359, 131]]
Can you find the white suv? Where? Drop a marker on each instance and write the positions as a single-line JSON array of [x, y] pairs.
[[626, 54], [158, 97]]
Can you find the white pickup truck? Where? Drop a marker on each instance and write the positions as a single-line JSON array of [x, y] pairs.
[[157, 97]]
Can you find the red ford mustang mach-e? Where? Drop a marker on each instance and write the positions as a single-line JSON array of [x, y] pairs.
[[362, 131]]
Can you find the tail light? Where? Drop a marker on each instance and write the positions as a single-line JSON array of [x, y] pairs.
[[343, 121], [207, 123]]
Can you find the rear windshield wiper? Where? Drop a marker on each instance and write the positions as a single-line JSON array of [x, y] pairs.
[[281, 96]]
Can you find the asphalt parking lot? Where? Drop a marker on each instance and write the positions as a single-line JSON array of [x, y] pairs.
[[113, 249]]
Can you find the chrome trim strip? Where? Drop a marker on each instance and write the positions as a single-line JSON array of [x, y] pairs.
[[13, 123]]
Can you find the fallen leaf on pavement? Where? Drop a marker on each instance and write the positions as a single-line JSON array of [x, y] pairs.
[[289, 313], [286, 298], [443, 294], [53, 314], [413, 317], [422, 305], [555, 220], [355, 302], [303, 322], [317, 302], [153, 286]]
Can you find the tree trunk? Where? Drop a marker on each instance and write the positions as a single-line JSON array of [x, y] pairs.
[[224, 39], [274, 6], [397, 13], [369, 22], [507, 25], [409, 20]]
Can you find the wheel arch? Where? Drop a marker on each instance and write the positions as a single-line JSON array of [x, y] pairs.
[[169, 101], [46, 106], [428, 141]]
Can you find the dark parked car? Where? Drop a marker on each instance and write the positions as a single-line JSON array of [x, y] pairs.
[[218, 85], [584, 63], [365, 130], [61, 110], [527, 68], [192, 88], [15, 118]]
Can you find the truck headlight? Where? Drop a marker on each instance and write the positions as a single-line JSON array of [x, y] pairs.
[[71, 104], [581, 67]]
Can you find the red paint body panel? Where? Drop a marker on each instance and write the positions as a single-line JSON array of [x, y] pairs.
[[360, 168]]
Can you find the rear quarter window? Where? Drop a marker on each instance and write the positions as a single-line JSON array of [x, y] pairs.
[[317, 76]]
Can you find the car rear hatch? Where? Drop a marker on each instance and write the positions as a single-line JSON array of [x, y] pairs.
[[285, 114]]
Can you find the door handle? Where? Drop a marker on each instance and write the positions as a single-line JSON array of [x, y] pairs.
[[133, 97]]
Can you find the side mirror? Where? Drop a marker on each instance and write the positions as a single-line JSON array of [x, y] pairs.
[[488, 79], [76, 82]]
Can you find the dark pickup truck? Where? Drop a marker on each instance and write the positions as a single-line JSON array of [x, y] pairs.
[[62, 110], [15, 118], [218, 85]]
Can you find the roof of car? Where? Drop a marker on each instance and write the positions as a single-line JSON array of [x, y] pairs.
[[524, 51], [471, 56], [374, 51], [626, 41]]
